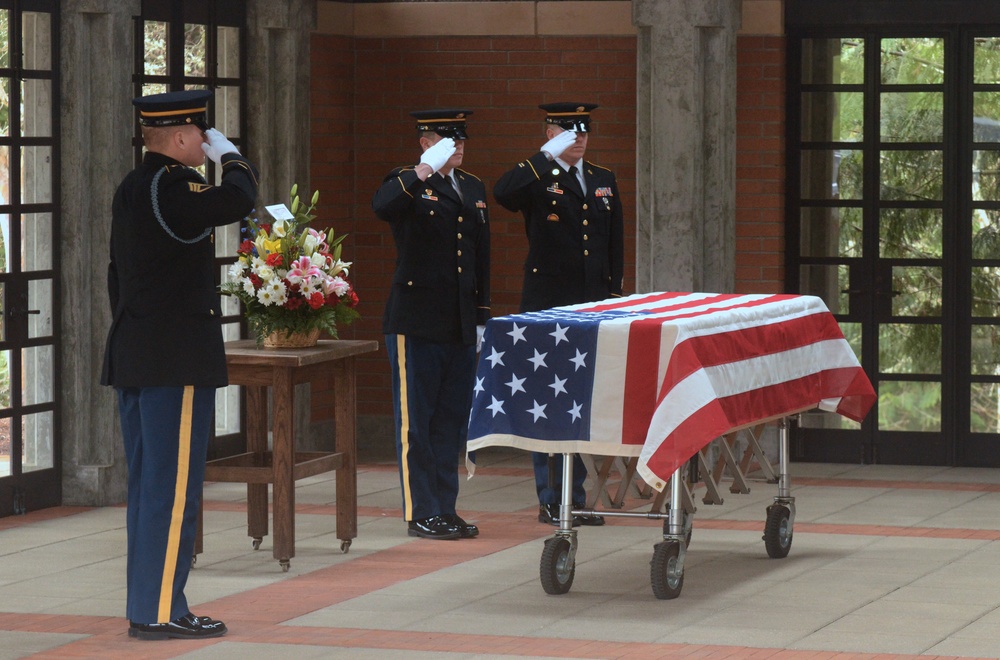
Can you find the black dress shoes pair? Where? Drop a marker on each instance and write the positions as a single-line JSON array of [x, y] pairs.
[[444, 527], [188, 626], [549, 514]]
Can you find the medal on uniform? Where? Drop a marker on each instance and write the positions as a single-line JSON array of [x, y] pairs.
[[429, 194], [553, 217], [554, 188]]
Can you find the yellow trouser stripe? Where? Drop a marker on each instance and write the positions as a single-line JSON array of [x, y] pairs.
[[404, 431], [180, 500]]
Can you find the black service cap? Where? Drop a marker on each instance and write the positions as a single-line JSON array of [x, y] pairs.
[[174, 108], [445, 122], [569, 116]]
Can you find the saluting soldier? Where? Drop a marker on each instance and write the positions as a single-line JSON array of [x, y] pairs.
[[573, 218], [434, 317], [164, 353]]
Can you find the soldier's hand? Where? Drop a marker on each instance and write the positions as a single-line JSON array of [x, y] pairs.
[[436, 156], [557, 145], [217, 145]]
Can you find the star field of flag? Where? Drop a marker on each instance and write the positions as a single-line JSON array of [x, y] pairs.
[[659, 375]]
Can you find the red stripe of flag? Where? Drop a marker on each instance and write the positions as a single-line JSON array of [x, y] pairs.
[[641, 379]]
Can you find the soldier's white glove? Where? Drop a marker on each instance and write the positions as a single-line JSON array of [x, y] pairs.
[[557, 145], [437, 155], [218, 145], [480, 329]]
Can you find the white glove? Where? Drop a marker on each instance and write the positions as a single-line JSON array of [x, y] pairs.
[[480, 329], [560, 143], [439, 154], [218, 145]]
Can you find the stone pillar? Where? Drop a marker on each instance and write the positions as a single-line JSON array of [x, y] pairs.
[[278, 72], [686, 134], [96, 115]]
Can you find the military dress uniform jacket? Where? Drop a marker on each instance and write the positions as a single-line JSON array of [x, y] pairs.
[[575, 241], [166, 327], [441, 286]]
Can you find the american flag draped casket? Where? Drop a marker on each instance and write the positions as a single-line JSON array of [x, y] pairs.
[[659, 375]]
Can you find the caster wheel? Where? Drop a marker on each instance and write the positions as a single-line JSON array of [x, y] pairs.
[[285, 565], [666, 575], [688, 528], [256, 543], [778, 531], [345, 546], [556, 569]]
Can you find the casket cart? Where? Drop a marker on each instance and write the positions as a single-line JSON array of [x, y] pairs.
[[648, 382]]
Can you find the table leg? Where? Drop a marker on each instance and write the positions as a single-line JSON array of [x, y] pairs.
[[257, 444], [283, 454], [345, 395]]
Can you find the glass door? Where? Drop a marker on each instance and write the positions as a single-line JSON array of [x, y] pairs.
[[894, 139], [29, 242]]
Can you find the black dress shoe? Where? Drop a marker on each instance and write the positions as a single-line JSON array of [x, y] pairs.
[[435, 527], [549, 514], [467, 530], [587, 519], [188, 626]]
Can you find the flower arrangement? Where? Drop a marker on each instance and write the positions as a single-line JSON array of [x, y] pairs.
[[290, 277]]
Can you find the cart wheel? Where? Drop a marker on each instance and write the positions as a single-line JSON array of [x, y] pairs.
[[345, 546], [778, 532], [556, 569], [688, 520], [285, 564], [256, 543], [665, 573]]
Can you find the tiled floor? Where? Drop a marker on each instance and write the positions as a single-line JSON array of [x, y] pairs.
[[886, 562]]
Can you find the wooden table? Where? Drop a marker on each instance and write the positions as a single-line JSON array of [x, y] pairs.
[[282, 369]]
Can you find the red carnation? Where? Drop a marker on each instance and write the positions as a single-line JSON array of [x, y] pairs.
[[246, 247], [256, 281], [275, 259], [265, 229], [353, 298], [293, 303], [316, 300]]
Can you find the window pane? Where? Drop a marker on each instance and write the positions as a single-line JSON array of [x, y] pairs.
[[909, 406], [911, 175], [230, 304], [912, 117], [4, 38], [986, 57], [4, 116], [37, 371], [985, 234], [227, 111], [833, 61], [985, 350], [829, 283], [913, 61], [832, 116], [831, 174], [37, 447], [155, 58], [916, 291], [5, 252], [36, 239], [5, 384], [831, 232], [852, 333], [986, 175], [909, 348], [195, 53], [37, 31], [227, 410], [36, 108], [40, 300], [985, 291], [36, 170], [910, 233], [986, 116], [228, 49], [984, 404]]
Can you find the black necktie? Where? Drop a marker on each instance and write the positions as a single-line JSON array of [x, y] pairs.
[[576, 179]]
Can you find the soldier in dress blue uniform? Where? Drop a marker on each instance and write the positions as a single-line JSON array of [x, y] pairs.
[[434, 317], [573, 218], [164, 353]]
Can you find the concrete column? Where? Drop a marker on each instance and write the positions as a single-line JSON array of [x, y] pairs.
[[278, 68], [686, 133], [96, 115]]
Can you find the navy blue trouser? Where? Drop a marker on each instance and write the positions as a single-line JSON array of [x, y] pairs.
[[432, 397], [552, 493], [166, 433]]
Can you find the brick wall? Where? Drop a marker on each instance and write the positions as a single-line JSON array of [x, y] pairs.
[[363, 90]]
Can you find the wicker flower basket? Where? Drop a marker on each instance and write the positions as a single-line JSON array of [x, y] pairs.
[[282, 339]]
